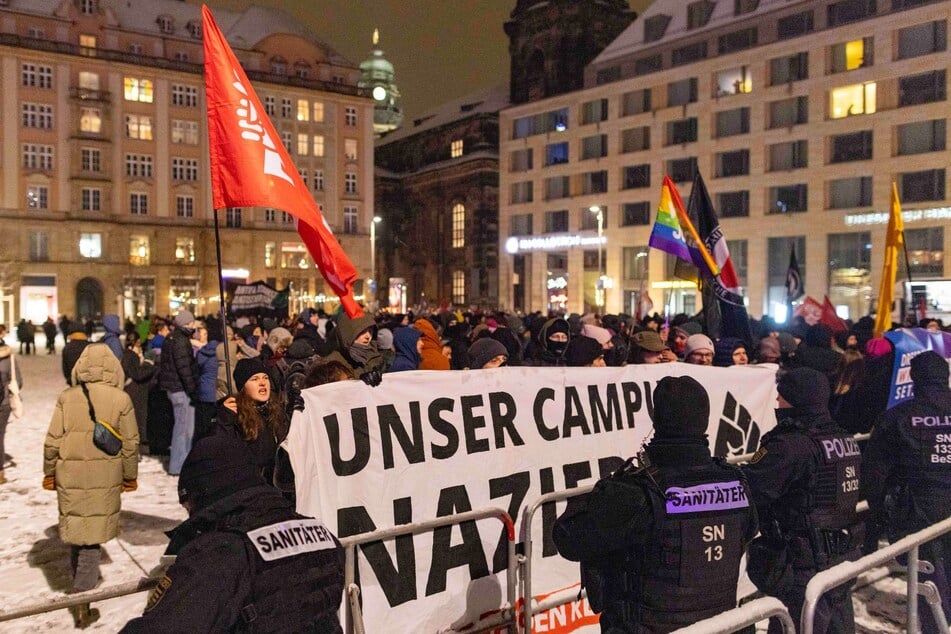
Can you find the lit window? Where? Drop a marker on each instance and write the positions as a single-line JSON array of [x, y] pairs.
[[138, 204], [734, 81], [138, 250], [37, 197], [318, 145], [350, 116], [455, 149], [90, 245], [184, 132], [852, 55], [89, 159], [138, 89], [349, 219], [318, 112], [270, 252], [39, 246], [303, 110], [87, 45], [350, 183], [185, 206], [852, 100], [185, 250], [91, 199], [90, 120], [89, 81], [350, 149], [458, 287], [458, 225], [138, 127], [302, 146]]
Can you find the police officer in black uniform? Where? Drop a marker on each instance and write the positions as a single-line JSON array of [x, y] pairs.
[[908, 467], [245, 560], [805, 483], [660, 545]]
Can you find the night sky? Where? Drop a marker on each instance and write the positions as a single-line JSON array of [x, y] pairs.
[[440, 49]]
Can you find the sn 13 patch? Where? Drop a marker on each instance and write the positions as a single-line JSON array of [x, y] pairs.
[[758, 455], [156, 595]]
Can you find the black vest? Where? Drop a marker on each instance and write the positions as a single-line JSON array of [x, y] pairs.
[[834, 490]]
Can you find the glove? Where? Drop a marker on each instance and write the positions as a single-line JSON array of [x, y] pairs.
[[372, 377], [129, 485], [49, 483], [298, 402]]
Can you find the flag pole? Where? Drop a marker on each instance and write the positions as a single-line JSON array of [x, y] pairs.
[[221, 306]]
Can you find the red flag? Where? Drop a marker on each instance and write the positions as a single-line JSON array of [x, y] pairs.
[[830, 318], [251, 168], [810, 310]]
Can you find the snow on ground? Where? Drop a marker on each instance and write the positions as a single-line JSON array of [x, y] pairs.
[[35, 563]]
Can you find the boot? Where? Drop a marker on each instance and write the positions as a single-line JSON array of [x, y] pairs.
[[84, 616], [3, 478]]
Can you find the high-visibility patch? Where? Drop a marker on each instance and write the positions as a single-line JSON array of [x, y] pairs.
[[158, 592], [758, 455], [293, 537]]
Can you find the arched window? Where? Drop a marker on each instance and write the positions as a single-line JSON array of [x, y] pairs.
[[458, 225]]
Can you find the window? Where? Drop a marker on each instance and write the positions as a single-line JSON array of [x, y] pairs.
[[794, 25], [848, 11], [270, 215], [166, 24], [349, 219], [286, 108], [594, 111], [302, 69], [138, 126], [654, 27], [90, 120], [636, 139], [350, 183], [635, 214], [184, 169], [733, 205], [136, 49], [734, 81], [37, 157], [138, 165], [139, 250], [733, 122], [635, 265], [636, 102], [923, 88], [744, 6], [286, 141], [233, 217], [856, 146], [350, 116], [777, 265], [737, 41], [783, 70], [194, 29], [184, 132], [788, 112], [682, 170], [184, 96], [850, 192], [735, 163], [557, 187], [137, 89], [91, 199], [649, 64], [556, 221], [925, 251], [689, 54], [520, 160], [521, 225], [286, 218], [556, 153], [788, 156], [922, 136], [595, 146], [36, 32], [303, 110], [738, 253], [269, 105], [922, 186], [89, 81], [698, 13], [923, 39], [36, 115], [552, 121], [521, 192], [455, 148], [87, 7], [350, 149], [682, 131], [87, 45], [318, 180], [318, 145], [589, 219], [90, 245], [594, 182], [303, 145], [270, 255], [185, 206], [458, 287], [279, 67], [458, 225], [138, 204], [682, 92], [39, 246], [852, 55], [318, 112], [90, 160], [184, 250], [36, 76], [636, 176], [787, 199], [37, 197]]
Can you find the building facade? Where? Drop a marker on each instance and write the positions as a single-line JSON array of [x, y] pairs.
[[799, 115], [105, 191]]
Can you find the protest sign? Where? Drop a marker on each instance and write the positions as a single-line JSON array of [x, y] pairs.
[[258, 298], [909, 343]]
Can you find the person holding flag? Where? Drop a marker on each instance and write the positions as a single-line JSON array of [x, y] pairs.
[[894, 239]]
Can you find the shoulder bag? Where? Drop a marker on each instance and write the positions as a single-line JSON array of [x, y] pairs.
[[104, 435]]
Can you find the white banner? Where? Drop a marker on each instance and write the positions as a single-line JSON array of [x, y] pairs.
[[431, 444]]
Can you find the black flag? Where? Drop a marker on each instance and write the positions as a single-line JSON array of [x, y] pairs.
[[794, 289]]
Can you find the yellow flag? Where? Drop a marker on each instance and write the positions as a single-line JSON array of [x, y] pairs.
[[894, 239]]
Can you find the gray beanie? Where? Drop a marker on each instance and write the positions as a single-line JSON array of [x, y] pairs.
[[183, 318], [698, 342], [384, 339], [483, 351]]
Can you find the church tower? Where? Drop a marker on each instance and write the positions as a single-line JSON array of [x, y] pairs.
[[551, 42], [377, 77]]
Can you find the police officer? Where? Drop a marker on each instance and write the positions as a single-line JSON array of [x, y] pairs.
[[908, 466], [245, 560], [660, 545], [805, 483]]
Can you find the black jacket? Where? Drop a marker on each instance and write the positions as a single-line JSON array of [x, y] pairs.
[[263, 448], [177, 366], [71, 352]]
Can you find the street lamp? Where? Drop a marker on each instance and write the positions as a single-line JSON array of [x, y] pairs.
[[376, 219], [599, 292]]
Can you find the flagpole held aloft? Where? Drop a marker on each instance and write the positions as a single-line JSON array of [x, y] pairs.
[[221, 307], [894, 236]]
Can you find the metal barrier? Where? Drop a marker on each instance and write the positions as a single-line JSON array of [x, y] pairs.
[[839, 574], [747, 614], [92, 596], [507, 615]]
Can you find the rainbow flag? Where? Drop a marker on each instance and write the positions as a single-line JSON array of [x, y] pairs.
[[667, 234]]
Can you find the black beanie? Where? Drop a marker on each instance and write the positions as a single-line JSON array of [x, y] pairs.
[[805, 389], [245, 369], [582, 351], [216, 467], [929, 368], [681, 408], [483, 351], [300, 349]]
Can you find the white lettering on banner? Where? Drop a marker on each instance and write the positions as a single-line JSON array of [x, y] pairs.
[[293, 537], [909, 215], [251, 130], [433, 444], [515, 244]]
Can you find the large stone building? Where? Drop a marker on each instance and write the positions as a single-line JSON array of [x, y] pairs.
[[799, 115], [104, 189]]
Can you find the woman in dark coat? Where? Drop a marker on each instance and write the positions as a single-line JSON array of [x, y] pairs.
[[139, 374]]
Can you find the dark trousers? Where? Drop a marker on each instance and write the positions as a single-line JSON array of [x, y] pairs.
[[4, 419], [84, 561]]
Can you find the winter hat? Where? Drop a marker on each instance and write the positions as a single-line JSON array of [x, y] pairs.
[[582, 351], [589, 318], [805, 389], [649, 340], [277, 336], [697, 342], [691, 328], [75, 328], [300, 349], [787, 343], [724, 349], [877, 347], [929, 368], [305, 315], [599, 334], [491, 324], [681, 408], [246, 331], [768, 348], [216, 467], [244, 369], [384, 339], [483, 351], [184, 318]]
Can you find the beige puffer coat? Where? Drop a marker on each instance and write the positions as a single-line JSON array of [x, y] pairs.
[[89, 481]]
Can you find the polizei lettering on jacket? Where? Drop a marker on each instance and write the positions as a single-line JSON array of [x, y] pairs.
[[840, 447], [715, 496], [931, 421], [293, 537]]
